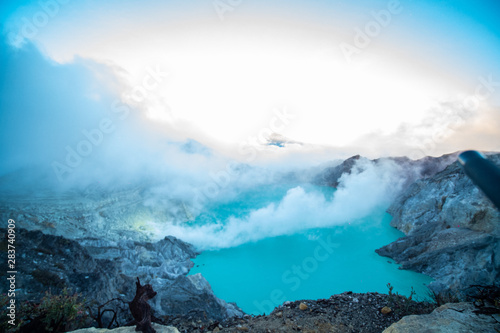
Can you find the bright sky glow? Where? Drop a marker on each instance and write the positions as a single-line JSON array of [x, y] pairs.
[[231, 63]]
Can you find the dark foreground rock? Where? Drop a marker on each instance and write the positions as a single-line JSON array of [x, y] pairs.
[[453, 231], [102, 270], [346, 312]]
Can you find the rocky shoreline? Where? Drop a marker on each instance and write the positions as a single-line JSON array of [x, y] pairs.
[[452, 231]]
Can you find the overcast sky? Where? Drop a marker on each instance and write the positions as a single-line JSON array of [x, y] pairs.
[[377, 77]]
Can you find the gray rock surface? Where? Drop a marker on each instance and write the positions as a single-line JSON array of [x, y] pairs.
[[448, 318], [331, 175], [453, 231], [411, 170], [95, 212], [102, 270], [129, 329]]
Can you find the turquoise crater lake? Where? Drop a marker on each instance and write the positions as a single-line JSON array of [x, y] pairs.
[[310, 263]]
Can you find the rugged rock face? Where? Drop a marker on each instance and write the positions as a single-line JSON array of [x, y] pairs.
[[331, 176], [453, 231], [410, 169], [101, 270], [452, 318]]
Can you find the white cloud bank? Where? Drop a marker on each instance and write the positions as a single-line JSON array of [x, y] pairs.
[[370, 186]]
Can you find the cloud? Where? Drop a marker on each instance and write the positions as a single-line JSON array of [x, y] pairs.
[[369, 187], [447, 127], [65, 126], [480, 133], [45, 105]]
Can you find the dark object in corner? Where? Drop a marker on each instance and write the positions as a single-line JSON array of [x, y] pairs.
[[141, 310], [485, 298], [483, 173]]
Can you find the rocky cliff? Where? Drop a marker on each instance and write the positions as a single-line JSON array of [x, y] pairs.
[[452, 231], [410, 169], [102, 270]]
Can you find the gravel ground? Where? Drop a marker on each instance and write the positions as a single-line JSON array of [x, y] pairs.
[[346, 312]]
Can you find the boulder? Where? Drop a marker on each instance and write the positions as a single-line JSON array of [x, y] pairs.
[[448, 318], [128, 329]]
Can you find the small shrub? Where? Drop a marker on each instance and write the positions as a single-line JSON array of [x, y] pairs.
[[407, 305], [444, 297], [61, 311], [54, 313]]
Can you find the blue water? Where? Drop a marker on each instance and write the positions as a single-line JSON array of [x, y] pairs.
[[311, 264]]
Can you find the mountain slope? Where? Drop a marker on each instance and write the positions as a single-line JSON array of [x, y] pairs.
[[452, 231]]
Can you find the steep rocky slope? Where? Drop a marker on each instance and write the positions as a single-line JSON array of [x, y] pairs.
[[453, 231], [102, 270], [410, 169]]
